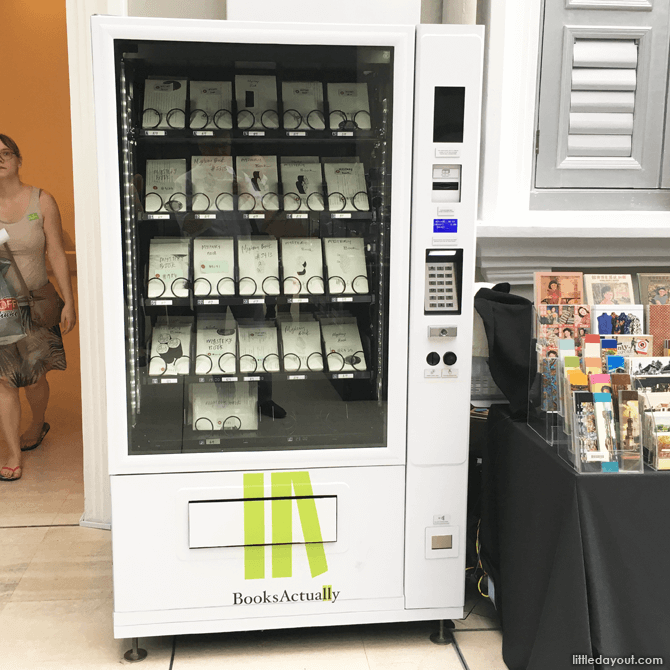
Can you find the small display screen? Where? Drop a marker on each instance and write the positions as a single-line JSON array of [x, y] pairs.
[[449, 114]]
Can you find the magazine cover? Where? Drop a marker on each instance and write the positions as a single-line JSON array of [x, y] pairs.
[[634, 345], [609, 289], [558, 322], [618, 321], [654, 288], [648, 366], [559, 288]]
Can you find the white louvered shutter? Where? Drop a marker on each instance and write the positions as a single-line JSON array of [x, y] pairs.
[[602, 96]]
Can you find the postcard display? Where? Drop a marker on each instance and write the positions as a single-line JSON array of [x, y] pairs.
[[288, 405], [600, 370]]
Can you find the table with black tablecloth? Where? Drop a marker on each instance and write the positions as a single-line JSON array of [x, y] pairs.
[[578, 561]]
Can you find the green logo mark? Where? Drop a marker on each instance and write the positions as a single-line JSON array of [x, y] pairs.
[[284, 484], [33, 217]]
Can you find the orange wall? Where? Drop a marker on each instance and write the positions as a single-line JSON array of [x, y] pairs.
[[35, 105]]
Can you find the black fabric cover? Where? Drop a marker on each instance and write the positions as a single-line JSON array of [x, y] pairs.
[[507, 321], [576, 559]]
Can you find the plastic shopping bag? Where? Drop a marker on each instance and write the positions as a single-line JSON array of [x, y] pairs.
[[11, 327]]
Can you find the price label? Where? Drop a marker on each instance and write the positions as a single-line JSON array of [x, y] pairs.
[[254, 216], [347, 376], [252, 379], [298, 300], [203, 133], [345, 133], [160, 302], [342, 216], [298, 216], [159, 216], [227, 379], [154, 133], [296, 133], [169, 381], [349, 299], [254, 301], [213, 441], [296, 377], [254, 133], [205, 216]]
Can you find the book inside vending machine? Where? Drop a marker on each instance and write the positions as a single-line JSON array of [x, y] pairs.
[[288, 226]]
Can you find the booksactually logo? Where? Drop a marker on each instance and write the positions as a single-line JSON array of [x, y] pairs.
[[326, 594], [288, 489]]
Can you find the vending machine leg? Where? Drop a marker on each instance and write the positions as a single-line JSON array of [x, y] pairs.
[[444, 634], [135, 654]]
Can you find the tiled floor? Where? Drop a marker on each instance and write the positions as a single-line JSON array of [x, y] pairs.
[[56, 591]]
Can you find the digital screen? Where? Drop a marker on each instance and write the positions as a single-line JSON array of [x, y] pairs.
[[449, 114]]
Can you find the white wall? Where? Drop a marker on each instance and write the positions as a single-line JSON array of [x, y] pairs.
[[180, 9]]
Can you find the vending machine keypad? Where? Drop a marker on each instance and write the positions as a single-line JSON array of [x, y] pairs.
[[442, 281]]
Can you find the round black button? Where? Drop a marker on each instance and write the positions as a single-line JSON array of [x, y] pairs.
[[449, 358], [433, 358]]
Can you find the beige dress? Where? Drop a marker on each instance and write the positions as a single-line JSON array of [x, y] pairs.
[[23, 363]]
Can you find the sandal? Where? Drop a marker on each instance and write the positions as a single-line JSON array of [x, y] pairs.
[[45, 429], [13, 471]]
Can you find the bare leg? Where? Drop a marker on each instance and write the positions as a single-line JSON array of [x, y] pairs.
[[10, 420], [38, 399]]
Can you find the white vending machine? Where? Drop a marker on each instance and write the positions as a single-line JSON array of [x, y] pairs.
[[288, 241]]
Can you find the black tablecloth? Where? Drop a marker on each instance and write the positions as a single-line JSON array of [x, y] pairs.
[[578, 561]]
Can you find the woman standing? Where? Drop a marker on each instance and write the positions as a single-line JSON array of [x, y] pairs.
[[32, 220]]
